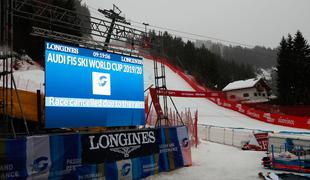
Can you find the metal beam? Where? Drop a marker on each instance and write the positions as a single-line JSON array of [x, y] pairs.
[[90, 43], [55, 16]]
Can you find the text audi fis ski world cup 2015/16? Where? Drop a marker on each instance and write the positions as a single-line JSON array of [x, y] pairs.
[[85, 87]]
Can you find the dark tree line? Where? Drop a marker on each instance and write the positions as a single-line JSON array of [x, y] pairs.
[[208, 68], [258, 56], [294, 70], [34, 46]]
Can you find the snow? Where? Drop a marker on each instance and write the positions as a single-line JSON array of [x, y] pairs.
[[242, 84], [22, 63], [265, 73], [216, 161], [28, 74], [210, 160], [30, 80], [208, 112]]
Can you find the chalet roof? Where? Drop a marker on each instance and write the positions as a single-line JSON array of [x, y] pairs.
[[242, 84]]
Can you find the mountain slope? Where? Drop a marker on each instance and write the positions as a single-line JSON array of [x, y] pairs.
[[208, 112]]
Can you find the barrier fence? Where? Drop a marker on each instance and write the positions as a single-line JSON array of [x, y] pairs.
[[272, 118], [288, 151], [285, 142], [289, 157], [128, 154], [236, 137], [186, 118], [297, 110]]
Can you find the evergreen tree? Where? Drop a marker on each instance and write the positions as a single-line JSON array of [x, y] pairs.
[[301, 51], [293, 70], [208, 68], [283, 72]]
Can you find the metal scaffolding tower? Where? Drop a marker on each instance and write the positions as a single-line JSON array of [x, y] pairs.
[[47, 19], [6, 74], [160, 85]]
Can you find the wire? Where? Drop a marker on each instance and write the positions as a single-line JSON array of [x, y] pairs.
[[198, 35], [186, 33], [182, 32]]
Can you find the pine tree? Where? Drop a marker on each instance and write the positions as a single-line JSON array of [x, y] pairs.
[[290, 71], [208, 68], [282, 67], [301, 51], [294, 70]]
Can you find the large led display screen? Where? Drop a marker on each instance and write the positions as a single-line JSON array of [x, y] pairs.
[[85, 88]]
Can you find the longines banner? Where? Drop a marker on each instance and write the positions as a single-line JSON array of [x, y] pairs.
[[113, 146], [60, 156]]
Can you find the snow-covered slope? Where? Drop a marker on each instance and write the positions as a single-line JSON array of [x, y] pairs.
[[23, 63], [208, 112], [28, 74], [30, 80], [212, 161]]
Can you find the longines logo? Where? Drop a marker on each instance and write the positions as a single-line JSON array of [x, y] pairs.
[[268, 117], [286, 121], [253, 114], [123, 143], [113, 146], [121, 139], [240, 109], [125, 150], [219, 101], [226, 104]]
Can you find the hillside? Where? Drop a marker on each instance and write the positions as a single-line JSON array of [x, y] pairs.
[[208, 68], [259, 57]]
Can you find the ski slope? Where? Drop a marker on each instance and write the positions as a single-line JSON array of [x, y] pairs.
[[212, 160], [208, 112], [32, 78]]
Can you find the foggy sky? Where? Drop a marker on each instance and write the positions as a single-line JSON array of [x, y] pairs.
[[252, 22]]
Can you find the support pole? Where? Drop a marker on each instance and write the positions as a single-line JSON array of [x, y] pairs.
[[147, 116], [20, 106], [39, 112], [175, 107]]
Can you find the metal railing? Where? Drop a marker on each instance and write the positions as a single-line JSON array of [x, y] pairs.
[[236, 137]]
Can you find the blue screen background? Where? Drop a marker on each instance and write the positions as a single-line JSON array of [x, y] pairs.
[[62, 80]]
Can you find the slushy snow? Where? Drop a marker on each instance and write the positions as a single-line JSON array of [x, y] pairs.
[[212, 161]]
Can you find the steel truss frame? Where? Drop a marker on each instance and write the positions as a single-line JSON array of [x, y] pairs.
[[53, 17], [41, 12]]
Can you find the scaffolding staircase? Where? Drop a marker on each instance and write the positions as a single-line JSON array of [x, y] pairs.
[[160, 85]]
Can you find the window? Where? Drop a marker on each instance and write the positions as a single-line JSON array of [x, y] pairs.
[[259, 94], [246, 95], [255, 94], [232, 96], [263, 94]]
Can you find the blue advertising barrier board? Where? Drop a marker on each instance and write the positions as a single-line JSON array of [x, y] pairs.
[[60, 157], [85, 88]]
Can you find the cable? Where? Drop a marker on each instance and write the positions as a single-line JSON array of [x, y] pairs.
[[182, 32], [187, 33], [198, 35]]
